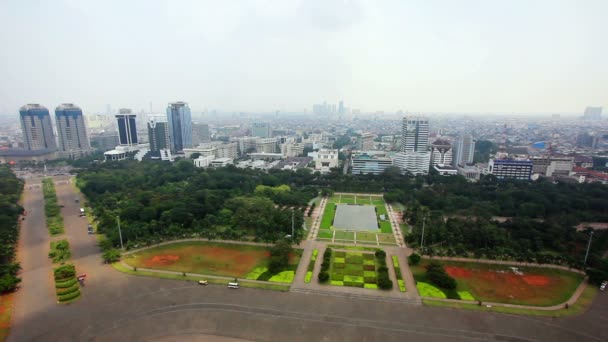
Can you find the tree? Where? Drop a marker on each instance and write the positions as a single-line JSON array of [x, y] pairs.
[[111, 255], [279, 256], [414, 259]]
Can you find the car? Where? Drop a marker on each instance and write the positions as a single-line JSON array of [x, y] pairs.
[[603, 286], [203, 282]]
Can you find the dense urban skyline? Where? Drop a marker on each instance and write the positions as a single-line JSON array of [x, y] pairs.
[[438, 56]]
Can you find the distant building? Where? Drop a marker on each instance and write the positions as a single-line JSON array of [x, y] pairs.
[[441, 152], [510, 169], [366, 142], [445, 170], [326, 160], [16, 155], [292, 149], [463, 150], [293, 163], [552, 165], [266, 145], [104, 142], [261, 130], [200, 134], [37, 127], [203, 161], [127, 128], [470, 172], [158, 134], [364, 163], [414, 157], [587, 140], [73, 139], [221, 162], [216, 149], [593, 113], [180, 126]]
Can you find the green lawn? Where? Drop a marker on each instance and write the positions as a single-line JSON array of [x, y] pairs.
[[354, 248], [385, 226], [342, 235], [325, 234], [386, 238], [363, 200], [213, 258], [498, 283], [364, 236], [328, 216], [347, 200]]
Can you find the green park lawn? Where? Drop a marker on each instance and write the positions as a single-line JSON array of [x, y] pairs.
[[498, 283], [344, 235], [213, 258], [325, 234], [328, 216], [365, 236]]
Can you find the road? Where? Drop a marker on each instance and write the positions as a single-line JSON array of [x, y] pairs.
[[120, 307]]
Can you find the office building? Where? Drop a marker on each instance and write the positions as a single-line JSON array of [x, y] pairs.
[[200, 134], [158, 134], [326, 159], [552, 165], [441, 152], [593, 113], [370, 163], [180, 126], [261, 130], [366, 141], [464, 150], [73, 139], [445, 169], [510, 169], [37, 127], [127, 129], [291, 149], [105, 142], [267, 145], [414, 158]]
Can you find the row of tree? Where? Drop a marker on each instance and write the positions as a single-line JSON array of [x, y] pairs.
[[10, 191]]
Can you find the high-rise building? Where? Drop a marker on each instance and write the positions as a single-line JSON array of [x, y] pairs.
[[73, 139], [200, 134], [341, 109], [510, 169], [37, 127], [158, 134], [415, 134], [261, 130], [414, 157], [127, 129], [464, 150], [593, 113], [441, 153], [180, 126]]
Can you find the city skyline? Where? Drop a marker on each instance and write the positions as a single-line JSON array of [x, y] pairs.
[[419, 57]]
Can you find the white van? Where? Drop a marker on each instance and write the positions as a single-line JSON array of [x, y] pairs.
[[233, 285], [82, 212]]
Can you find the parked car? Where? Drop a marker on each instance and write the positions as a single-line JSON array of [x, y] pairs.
[[603, 286], [203, 282]]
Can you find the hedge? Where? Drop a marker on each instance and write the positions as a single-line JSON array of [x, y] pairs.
[[65, 284], [69, 296], [65, 271], [64, 291]]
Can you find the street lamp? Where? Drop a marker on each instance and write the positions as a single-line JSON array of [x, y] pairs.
[[588, 246], [119, 231], [292, 225]]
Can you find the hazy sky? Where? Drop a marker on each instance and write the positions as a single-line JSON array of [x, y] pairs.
[[459, 56]]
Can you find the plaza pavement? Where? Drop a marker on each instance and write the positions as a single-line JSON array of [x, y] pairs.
[[119, 307]]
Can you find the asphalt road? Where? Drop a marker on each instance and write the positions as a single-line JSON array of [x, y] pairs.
[[120, 307]]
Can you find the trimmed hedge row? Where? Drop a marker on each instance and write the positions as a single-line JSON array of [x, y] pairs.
[[66, 290], [54, 220], [311, 266], [65, 284], [60, 251], [383, 280], [397, 269], [323, 274], [69, 296]]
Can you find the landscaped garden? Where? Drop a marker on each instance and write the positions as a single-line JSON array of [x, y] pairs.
[[218, 259], [356, 269], [60, 251], [350, 227], [499, 283], [311, 266]]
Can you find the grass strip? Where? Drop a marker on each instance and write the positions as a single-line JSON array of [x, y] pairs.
[[400, 281], [275, 287]]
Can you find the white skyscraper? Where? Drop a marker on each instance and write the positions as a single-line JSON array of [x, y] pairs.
[[415, 156], [464, 150]]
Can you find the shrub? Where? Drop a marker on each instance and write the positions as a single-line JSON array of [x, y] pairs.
[[308, 277], [66, 290], [380, 254], [414, 259], [111, 255], [65, 284], [323, 276], [65, 271], [324, 266], [384, 282], [439, 277]]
